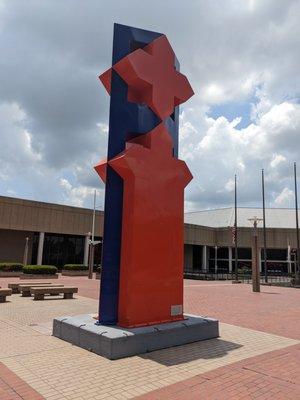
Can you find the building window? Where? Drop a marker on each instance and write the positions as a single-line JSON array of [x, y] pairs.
[[60, 249]]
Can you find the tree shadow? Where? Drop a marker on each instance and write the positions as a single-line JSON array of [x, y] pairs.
[[205, 349]]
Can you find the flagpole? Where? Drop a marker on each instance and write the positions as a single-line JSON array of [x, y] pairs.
[[264, 225], [235, 231], [297, 269]]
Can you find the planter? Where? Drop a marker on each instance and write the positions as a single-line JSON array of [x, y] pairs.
[[68, 272], [38, 276], [10, 274]]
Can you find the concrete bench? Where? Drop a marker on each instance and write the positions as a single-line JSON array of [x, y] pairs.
[[15, 286], [25, 289], [40, 292], [3, 294]]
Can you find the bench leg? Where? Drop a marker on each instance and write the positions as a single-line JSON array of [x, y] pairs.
[[26, 294], [39, 297], [68, 295], [2, 299]]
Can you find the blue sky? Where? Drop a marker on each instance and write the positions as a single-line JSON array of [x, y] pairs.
[[233, 110]]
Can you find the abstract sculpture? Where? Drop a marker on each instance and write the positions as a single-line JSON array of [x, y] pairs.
[[142, 262], [141, 296]]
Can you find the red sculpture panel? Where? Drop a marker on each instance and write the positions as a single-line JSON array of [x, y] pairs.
[[152, 78], [151, 271]]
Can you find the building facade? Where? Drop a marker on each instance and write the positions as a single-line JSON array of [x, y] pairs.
[[59, 234]]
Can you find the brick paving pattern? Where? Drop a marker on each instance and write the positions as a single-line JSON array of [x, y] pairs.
[[274, 375], [274, 310], [242, 363], [14, 388]]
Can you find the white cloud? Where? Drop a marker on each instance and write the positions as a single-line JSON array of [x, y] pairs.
[[16, 150], [225, 150], [214, 93], [229, 185], [79, 195], [54, 115], [276, 160], [285, 198]]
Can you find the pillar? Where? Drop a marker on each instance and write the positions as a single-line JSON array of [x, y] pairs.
[[230, 258], [25, 256], [86, 250], [188, 257], [289, 261], [40, 248], [216, 259], [204, 258]]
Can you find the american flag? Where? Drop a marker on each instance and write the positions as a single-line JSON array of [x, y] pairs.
[[233, 234]]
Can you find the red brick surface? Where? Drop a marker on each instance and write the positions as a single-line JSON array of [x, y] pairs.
[[14, 388], [274, 375], [275, 310]]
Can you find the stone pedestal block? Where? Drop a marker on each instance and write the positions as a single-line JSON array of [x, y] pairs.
[[114, 342]]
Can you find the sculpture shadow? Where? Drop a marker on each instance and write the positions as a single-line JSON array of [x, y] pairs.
[[206, 349]]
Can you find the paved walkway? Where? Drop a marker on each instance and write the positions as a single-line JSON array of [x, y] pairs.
[[272, 375], [14, 388], [243, 363], [274, 310]]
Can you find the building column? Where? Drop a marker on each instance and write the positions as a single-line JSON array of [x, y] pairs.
[[216, 259], [40, 248], [204, 258], [188, 257], [86, 250], [289, 261], [230, 258]]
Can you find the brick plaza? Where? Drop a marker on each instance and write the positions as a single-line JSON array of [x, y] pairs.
[[256, 357]]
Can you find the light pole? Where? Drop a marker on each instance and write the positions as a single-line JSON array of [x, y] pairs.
[[25, 255], [92, 242], [255, 256]]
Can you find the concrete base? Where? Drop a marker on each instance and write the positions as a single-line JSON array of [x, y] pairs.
[[114, 342]]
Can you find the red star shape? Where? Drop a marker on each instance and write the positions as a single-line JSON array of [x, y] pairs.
[[152, 79]]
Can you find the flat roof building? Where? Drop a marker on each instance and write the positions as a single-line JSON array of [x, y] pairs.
[[59, 234]]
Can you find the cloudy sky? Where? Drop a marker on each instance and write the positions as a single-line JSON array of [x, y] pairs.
[[241, 57]]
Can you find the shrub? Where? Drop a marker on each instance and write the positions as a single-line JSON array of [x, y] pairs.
[[40, 269], [245, 271], [11, 267], [75, 267]]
